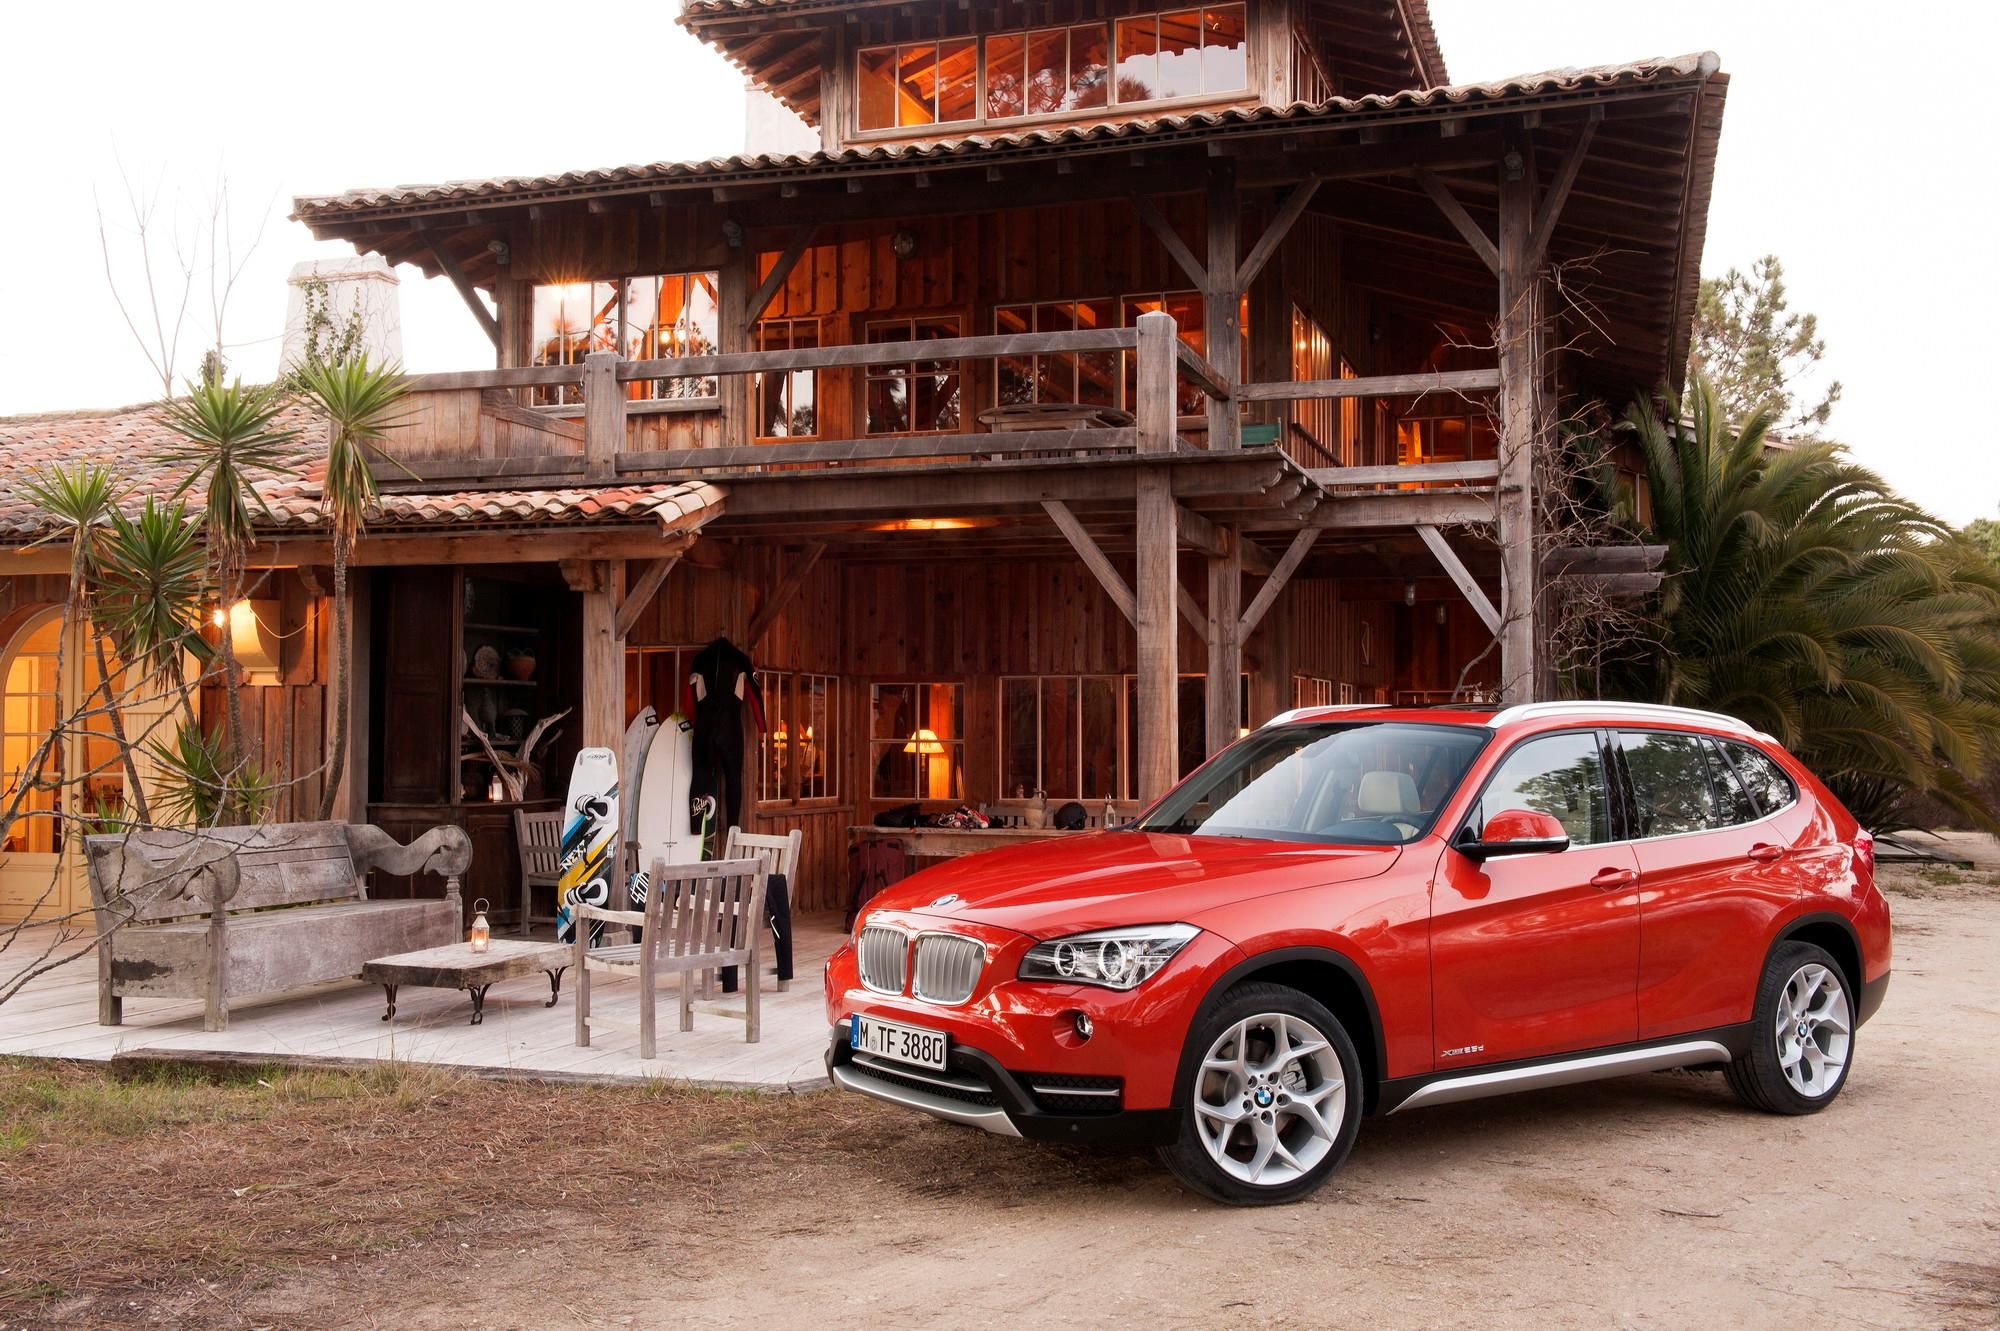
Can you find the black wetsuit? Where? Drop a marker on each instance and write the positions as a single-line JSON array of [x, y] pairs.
[[721, 682]]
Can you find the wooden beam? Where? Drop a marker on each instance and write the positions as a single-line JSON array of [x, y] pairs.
[[1222, 307], [1213, 383], [1522, 340], [1191, 611], [1201, 534], [466, 292], [1410, 473], [1454, 211], [1461, 576], [786, 592], [1094, 559], [582, 575], [603, 719], [1156, 407], [1559, 188], [1060, 442], [1256, 559], [603, 414], [1274, 235], [640, 595], [849, 355], [550, 544], [1158, 682], [1170, 240], [1617, 585], [1379, 385], [1267, 595], [1224, 632], [774, 281], [1407, 508], [1583, 559]]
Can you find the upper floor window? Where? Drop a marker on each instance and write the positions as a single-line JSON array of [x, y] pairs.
[[913, 396], [787, 400], [1182, 53], [661, 317]]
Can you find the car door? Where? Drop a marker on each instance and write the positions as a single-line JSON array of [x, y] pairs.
[[1712, 875], [1538, 954]]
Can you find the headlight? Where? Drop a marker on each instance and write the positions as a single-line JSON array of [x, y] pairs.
[[1114, 958]]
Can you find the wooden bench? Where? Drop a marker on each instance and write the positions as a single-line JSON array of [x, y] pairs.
[[224, 912]]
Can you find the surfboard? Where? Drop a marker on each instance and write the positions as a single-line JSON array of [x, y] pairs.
[[632, 777], [588, 858], [663, 804]]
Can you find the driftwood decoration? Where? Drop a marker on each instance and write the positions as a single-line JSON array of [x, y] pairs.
[[514, 768], [445, 850]]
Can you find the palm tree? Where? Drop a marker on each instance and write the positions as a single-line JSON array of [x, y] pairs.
[[360, 402], [82, 499], [227, 432], [149, 585], [1807, 597]]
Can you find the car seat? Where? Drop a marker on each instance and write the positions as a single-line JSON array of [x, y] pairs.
[[1391, 797]]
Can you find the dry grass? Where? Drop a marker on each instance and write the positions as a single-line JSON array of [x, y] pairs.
[[183, 1197]]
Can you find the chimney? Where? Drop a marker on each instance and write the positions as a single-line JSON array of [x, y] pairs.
[[364, 286]]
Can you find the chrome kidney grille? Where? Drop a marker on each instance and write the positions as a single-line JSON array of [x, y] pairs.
[[947, 967], [884, 957]]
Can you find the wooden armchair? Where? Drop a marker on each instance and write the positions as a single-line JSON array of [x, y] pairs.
[[538, 839], [698, 917], [781, 857]]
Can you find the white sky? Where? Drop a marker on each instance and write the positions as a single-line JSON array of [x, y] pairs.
[[1851, 148]]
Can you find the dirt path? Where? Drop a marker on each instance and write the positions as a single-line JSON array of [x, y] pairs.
[[1648, 1202]]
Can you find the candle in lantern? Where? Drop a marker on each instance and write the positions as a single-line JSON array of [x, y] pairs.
[[482, 932]]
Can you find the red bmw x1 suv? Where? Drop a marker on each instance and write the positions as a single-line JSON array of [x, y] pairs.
[[1371, 909]]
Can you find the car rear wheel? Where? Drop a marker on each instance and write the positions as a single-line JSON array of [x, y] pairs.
[[1271, 1104], [1801, 1034]]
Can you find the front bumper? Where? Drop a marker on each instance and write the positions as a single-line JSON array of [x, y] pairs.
[[977, 1091]]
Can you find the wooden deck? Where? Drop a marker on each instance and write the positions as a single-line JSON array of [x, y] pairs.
[[56, 1017]]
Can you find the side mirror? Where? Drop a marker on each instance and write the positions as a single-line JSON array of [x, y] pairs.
[[1515, 832]]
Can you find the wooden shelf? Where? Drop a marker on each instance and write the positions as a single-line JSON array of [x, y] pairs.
[[502, 683], [525, 630]]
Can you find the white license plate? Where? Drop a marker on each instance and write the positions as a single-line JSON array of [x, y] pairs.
[[904, 1044]]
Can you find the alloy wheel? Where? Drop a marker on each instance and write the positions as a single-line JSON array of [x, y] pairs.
[[1269, 1099], [1814, 1030]]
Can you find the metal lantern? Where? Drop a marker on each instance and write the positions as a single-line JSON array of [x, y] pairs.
[[482, 932]]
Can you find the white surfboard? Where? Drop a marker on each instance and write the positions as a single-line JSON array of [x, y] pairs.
[[589, 853], [663, 804], [632, 771]]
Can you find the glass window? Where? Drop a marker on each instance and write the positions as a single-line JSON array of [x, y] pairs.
[[660, 317], [917, 396], [787, 400], [1182, 53], [775, 743], [1379, 784], [1767, 782], [1670, 781], [1733, 804], [1084, 377], [1006, 75], [916, 83], [1060, 734], [916, 742], [795, 754], [1312, 358], [27, 715], [1561, 775], [1186, 308]]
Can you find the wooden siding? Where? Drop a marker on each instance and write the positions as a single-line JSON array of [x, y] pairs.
[[284, 724]]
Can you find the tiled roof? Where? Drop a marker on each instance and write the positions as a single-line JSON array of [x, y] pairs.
[[131, 438], [1638, 73]]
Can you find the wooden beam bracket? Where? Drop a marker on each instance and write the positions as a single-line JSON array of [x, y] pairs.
[[640, 595], [466, 292], [1267, 595], [1094, 559], [785, 593], [1454, 211], [1170, 240], [1461, 576]]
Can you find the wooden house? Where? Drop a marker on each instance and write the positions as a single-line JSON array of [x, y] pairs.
[[1115, 377]]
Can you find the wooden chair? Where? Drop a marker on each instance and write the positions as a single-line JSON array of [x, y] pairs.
[[780, 855], [698, 917], [538, 838]]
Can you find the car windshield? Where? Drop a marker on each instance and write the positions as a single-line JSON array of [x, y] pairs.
[[1379, 783]]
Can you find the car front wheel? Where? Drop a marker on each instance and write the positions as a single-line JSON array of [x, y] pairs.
[[1271, 1106], [1801, 1034]]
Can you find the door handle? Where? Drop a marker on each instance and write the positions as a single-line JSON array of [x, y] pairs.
[[1764, 852], [1608, 878]]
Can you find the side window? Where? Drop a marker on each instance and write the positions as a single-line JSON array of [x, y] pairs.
[[1768, 784], [1733, 802], [1670, 780], [1561, 775]]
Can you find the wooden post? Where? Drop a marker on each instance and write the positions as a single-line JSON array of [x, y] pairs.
[[603, 414], [1225, 646], [603, 658], [351, 800], [1222, 301], [1520, 336], [1271, 683], [1158, 576], [735, 280]]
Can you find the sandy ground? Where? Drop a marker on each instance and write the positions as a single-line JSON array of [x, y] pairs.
[[1653, 1201]]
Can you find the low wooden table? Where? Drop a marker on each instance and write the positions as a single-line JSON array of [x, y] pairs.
[[457, 966], [947, 842]]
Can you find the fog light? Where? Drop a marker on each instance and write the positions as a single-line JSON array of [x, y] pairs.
[[1082, 1026]]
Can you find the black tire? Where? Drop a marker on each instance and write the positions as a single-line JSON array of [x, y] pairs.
[[1189, 1157], [1759, 1078]]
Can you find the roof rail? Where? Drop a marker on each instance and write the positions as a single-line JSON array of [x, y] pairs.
[[1636, 711], [1283, 717]]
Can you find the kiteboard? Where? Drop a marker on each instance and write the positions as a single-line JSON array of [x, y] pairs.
[[589, 854], [632, 774], [664, 832]]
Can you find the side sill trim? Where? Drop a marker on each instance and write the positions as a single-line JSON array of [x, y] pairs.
[[1564, 1072], [848, 1077]]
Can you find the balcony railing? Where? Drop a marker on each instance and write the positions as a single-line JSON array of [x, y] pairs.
[[467, 426]]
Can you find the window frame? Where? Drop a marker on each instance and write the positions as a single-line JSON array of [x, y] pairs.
[[1791, 783], [875, 744], [641, 394], [1610, 761], [908, 373], [1121, 713], [982, 119], [1629, 792], [788, 322], [788, 715]]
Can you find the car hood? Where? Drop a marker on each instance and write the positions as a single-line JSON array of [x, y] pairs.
[[1102, 880]]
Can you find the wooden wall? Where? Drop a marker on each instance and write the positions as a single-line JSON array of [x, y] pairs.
[[284, 725]]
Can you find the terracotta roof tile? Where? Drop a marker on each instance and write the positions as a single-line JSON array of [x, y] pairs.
[[131, 438]]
